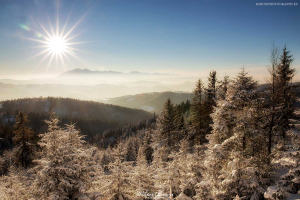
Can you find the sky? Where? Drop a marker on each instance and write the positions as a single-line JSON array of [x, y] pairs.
[[189, 37]]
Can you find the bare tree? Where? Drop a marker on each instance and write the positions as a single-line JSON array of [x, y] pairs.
[[274, 60]]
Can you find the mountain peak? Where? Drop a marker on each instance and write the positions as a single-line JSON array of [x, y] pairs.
[[78, 71]]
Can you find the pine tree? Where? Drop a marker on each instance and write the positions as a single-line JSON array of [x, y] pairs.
[[184, 164], [212, 80], [210, 101], [23, 140], [165, 133], [286, 95], [236, 160], [118, 185], [197, 132], [222, 88], [148, 150], [130, 151], [64, 167], [105, 160], [241, 94], [165, 174], [142, 176]]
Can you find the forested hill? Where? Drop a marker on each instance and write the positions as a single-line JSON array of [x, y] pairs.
[[152, 102], [67, 107]]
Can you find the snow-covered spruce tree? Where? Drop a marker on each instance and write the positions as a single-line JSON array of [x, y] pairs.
[[209, 101], [222, 88], [142, 177], [166, 129], [196, 130], [16, 185], [106, 158], [160, 170], [249, 150], [286, 94], [64, 167], [148, 150], [231, 159], [212, 80], [118, 184], [210, 185], [187, 169], [8, 160], [131, 154], [23, 140], [180, 123]]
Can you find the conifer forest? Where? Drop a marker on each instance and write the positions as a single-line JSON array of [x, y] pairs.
[[235, 139]]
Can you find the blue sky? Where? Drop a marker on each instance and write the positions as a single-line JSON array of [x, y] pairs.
[[179, 36]]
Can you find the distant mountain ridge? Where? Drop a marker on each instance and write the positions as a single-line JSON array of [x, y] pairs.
[[86, 71]]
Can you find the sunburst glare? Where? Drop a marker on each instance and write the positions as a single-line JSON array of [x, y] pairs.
[[57, 44]]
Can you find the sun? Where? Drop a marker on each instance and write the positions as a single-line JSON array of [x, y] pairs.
[[57, 45]]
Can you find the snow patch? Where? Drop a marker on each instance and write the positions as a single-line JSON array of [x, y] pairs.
[[147, 108], [269, 193], [182, 196], [131, 99]]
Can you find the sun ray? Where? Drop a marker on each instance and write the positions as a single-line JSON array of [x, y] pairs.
[[65, 25], [56, 41], [51, 28], [49, 35], [50, 61], [66, 56], [76, 24], [36, 40], [62, 61], [57, 19], [40, 53], [72, 37], [83, 42], [45, 57], [40, 46], [74, 56]]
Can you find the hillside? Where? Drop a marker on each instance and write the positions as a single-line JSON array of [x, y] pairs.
[[66, 107], [152, 102]]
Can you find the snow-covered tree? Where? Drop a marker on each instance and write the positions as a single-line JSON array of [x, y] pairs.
[[131, 153], [16, 185], [231, 163], [64, 167], [286, 94], [143, 179], [209, 101], [118, 184], [222, 88], [23, 140], [148, 150], [196, 130], [187, 167], [166, 129], [106, 158]]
